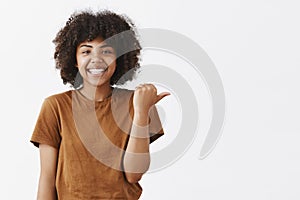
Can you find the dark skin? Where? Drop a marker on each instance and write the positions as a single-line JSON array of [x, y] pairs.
[[87, 26], [96, 64]]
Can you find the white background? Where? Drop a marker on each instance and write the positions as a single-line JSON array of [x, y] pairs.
[[255, 46]]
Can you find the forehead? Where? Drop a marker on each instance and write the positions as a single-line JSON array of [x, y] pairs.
[[95, 42]]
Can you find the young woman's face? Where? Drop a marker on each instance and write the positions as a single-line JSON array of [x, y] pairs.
[[96, 62]]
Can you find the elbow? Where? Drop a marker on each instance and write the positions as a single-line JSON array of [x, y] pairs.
[[133, 177]]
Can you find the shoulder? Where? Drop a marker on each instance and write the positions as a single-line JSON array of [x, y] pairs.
[[122, 92], [122, 98], [59, 98]]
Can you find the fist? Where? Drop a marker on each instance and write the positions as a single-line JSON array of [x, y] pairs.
[[145, 96]]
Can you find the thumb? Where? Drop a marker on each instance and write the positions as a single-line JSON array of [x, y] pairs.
[[162, 95]]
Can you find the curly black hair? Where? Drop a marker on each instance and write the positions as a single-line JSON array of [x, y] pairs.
[[86, 26]]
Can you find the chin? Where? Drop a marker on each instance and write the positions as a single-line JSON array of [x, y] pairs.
[[98, 84]]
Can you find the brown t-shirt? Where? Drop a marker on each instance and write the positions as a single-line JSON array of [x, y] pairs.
[[91, 138]]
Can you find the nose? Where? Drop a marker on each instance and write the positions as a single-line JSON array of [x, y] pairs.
[[96, 57]]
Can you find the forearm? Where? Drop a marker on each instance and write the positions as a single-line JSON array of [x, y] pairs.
[[137, 157]]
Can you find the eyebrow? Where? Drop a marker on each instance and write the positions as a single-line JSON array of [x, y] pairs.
[[90, 46], [85, 45]]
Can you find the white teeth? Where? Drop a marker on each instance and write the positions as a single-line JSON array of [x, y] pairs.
[[96, 71]]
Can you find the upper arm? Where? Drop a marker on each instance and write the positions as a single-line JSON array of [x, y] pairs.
[[48, 161]]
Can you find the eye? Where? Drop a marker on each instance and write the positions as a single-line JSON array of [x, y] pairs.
[[107, 51], [86, 52]]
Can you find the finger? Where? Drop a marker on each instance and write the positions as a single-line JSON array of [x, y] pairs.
[[152, 87], [162, 95], [139, 86]]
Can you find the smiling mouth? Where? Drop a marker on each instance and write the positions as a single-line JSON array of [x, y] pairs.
[[95, 71]]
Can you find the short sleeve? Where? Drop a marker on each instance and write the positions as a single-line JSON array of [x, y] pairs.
[[155, 126], [47, 128]]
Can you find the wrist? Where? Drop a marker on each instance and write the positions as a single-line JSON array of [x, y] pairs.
[[141, 120], [139, 132], [141, 117]]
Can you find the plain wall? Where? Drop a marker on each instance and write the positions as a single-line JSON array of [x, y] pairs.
[[255, 47]]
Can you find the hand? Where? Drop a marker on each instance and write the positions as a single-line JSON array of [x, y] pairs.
[[145, 96]]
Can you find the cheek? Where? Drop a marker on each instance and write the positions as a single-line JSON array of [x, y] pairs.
[[110, 60], [82, 62]]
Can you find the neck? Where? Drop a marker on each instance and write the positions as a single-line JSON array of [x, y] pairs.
[[96, 93]]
